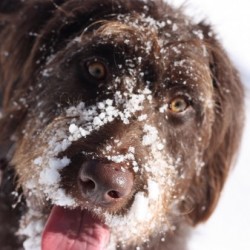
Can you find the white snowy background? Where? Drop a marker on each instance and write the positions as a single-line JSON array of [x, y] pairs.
[[229, 227]]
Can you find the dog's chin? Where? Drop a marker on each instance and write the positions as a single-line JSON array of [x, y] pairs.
[[81, 227], [74, 228], [95, 229]]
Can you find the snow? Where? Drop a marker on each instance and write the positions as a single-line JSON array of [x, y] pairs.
[[122, 158], [95, 116], [139, 208], [32, 230], [151, 135], [38, 161], [51, 176], [153, 190], [228, 228]]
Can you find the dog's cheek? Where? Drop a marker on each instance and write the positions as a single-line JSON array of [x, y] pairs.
[[31, 158], [26, 170]]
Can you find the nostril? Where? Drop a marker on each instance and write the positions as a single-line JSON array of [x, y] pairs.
[[87, 184], [114, 194]]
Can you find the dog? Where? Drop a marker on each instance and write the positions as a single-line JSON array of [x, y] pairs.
[[120, 121]]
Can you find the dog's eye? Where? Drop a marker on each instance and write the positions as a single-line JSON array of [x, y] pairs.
[[178, 104], [97, 69]]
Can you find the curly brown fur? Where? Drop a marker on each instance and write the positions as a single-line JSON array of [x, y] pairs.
[[165, 116]]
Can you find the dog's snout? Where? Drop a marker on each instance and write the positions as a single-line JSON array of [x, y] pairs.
[[105, 183]]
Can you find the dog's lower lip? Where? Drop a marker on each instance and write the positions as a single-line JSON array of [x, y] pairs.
[[106, 204]]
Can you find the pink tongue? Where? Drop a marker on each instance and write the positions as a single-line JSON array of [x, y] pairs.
[[74, 230]]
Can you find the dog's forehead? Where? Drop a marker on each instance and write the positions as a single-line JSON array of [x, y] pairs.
[[169, 44], [143, 30]]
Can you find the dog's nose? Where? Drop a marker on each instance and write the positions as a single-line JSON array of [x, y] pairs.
[[105, 183]]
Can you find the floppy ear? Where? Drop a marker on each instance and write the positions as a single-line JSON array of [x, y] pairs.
[[10, 208], [2, 167], [226, 132]]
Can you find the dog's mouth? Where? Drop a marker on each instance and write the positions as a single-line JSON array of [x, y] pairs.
[[74, 229], [103, 188]]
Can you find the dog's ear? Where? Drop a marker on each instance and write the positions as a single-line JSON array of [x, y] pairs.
[[11, 208], [3, 166], [11, 125], [226, 132]]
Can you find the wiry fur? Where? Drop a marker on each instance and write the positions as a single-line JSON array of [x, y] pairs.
[[43, 43]]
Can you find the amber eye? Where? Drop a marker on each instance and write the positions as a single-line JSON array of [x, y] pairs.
[[97, 69], [178, 105]]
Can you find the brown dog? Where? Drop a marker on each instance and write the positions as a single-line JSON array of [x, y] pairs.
[[119, 123]]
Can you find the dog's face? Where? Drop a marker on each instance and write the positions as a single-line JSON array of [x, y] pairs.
[[124, 123]]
